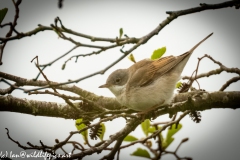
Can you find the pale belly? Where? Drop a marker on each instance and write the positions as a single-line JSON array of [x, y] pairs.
[[142, 98]]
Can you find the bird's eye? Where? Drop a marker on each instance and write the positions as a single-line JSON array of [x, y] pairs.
[[118, 80]]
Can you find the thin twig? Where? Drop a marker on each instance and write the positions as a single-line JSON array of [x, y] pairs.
[[230, 81], [12, 28], [215, 72]]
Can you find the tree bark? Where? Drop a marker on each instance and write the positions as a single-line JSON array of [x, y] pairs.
[[184, 101]]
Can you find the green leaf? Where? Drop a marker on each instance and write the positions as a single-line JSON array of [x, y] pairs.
[[81, 126], [152, 129], [169, 139], [141, 153], [120, 32], [145, 126], [130, 138], [173, 130], [179, 84], [167, 142], [103, 131], [131, 57], [3, 13], [158, 53]]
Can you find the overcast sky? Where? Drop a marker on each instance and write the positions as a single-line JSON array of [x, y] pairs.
[[215, 138]]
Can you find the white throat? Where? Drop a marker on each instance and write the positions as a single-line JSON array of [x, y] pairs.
[[117, 90]]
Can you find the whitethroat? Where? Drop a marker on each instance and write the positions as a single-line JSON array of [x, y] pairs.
[[148, 83]]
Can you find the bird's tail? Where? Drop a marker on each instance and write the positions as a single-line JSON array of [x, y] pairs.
[[191, 50]]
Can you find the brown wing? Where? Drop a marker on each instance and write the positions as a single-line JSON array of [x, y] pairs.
[[146, 71], [152, 70], [139, 72], [163, 65]]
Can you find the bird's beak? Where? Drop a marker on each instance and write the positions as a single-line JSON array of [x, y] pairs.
[[104, 86]]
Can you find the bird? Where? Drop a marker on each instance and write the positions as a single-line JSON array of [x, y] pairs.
[[148, 83]]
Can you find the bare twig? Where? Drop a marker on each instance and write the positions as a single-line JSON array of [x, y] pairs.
[[215, 72], [195, 102], [10, 89], [232, 80], [42, 147], [43, 66], [144, 39], [12, 27], [158, 131]]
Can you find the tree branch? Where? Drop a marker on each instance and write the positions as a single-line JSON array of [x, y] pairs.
[[111, 109], [172, 15], [199, 102], [215, 72]]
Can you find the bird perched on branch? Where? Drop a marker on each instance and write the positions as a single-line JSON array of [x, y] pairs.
[[148, 83]]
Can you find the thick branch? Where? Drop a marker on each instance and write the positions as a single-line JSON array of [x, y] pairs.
[[111, 103], [199, 101], [204, 6], [36, 108]]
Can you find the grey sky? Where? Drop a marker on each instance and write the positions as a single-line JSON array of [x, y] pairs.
[[215, 138]]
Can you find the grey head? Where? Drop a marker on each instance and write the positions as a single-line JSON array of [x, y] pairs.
[[117, 81]]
